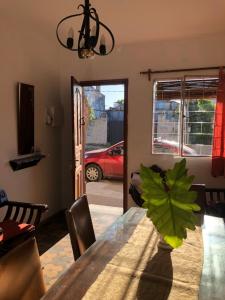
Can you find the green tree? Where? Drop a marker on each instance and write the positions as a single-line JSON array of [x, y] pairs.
[[200, 121], [120, 101], [89, 111]]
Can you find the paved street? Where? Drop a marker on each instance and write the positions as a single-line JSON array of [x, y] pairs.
[[105, 192]]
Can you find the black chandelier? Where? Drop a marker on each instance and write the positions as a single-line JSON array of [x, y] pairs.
[[88, 41]]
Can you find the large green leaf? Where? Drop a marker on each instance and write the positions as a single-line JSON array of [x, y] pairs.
[[169, 202]]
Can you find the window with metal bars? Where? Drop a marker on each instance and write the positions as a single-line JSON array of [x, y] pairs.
[[183, 115]]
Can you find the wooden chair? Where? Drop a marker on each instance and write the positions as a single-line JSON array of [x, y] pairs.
[[80, 226], [20, 212], [215, 202]]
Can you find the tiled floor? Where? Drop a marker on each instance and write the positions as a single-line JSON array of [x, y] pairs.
[[58, 258], [52, 231], [98, 192]]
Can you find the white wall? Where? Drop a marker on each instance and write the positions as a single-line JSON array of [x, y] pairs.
[[97, 132], [29, 54], [127, 62]]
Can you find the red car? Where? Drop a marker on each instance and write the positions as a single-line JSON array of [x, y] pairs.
[[171, 147], [104, 163], [108, 162]]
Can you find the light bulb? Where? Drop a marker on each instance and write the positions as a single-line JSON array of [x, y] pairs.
[[70, 40], [82, 42], [71, 33], [102, 49], [102, 40], [93, 31]]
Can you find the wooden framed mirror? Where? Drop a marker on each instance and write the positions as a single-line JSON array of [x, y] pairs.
[[25, 116]]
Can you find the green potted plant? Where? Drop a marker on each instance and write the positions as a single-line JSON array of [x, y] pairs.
[[169, 202]]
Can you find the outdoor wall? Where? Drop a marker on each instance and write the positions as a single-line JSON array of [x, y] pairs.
[[97, 132], [127, 62], [29, 54]]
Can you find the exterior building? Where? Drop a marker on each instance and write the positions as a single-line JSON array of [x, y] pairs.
[[96, 100], [97, 127]]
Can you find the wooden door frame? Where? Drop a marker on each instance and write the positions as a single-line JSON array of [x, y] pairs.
[[125, 127], [72, 81]]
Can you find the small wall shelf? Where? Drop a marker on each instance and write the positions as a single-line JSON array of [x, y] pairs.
[[26, 161]]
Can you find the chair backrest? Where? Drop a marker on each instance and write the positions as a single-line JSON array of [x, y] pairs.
[[21, 212], [80, 226], [201, 196], [214, 196], [215, 202]]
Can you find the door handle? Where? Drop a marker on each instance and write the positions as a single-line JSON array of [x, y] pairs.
[[82, 121]]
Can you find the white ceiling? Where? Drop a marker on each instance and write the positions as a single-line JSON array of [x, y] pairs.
[[131, 21]]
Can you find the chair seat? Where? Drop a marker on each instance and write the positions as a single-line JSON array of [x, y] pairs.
[[13, 235], [11, 229]]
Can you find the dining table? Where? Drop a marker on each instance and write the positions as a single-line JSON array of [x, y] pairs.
[[130, 262]]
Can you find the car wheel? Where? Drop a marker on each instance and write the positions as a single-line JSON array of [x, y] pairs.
[[93, 173]]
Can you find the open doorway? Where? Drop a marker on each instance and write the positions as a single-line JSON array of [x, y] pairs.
[[105, 151]]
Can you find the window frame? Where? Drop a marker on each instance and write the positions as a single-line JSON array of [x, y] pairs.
[[181, 113]]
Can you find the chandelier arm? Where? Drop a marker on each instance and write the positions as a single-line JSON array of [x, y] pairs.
[[93, 10], [81, 5], [57, 35], [110, 33], [81, 35]]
